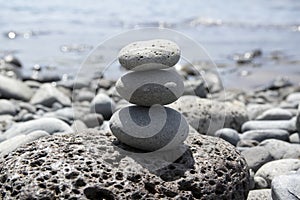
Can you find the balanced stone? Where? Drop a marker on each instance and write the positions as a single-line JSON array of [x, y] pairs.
[[150, 129], [147, 88], [151, 54]]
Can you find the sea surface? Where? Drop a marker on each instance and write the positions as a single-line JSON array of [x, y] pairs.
[[61, 34]]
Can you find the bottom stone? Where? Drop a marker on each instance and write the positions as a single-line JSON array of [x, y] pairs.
[[149, 128], [92, 165]]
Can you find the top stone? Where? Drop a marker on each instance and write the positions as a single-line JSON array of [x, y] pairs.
[[148, 55]]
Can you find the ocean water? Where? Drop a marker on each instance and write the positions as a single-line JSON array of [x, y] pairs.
[[62, 33]]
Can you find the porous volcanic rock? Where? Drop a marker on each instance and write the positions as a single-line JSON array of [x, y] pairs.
[[93, 165]]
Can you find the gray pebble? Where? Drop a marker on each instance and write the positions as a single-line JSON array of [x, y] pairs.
[[280, 149], [254, 110], [47, 95], [228, 134], [247, 143], [288, 125], [275, 114], [294, 97], [286, 187], [256, 157], [151, 54], [147, 88], [150, 129], [50, 125], [103, 105], [78, 126], [85, 95], [294, 138], [260, 135], [15, 89], [260, 183], [278, 167], [7, 107], [298, 121], [195, 87], [93, 120]]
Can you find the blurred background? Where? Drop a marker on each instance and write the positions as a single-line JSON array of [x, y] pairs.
[[252, 42]]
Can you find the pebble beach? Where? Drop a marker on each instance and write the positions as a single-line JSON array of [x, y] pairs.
[[154, 125]]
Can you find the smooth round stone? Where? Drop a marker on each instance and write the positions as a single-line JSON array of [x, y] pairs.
[[298, 121], [256, 157], [147, 88], [275, 114], [228, 134], [264, 134], [151, 54], [276, 168], [103, 104], [7, 107], [150, 129]]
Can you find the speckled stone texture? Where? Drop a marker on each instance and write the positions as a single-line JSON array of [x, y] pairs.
[[92, 165]]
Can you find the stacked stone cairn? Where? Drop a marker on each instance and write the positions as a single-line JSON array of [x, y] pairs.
[[152, 83]]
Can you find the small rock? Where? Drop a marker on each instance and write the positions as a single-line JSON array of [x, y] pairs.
[[12, 60], [260, 135], [13, 143], [298, 121], [286, 187], [150, 129], [47, 95], [294, 138], [7, 107], [15, 89], [85, 95], [262, 194], [260, 183], [247, 143], [280, 149], [78, 126], [228, 134], [50, 125], [195, 87], [103, 105], [288, 125], [278, 167], [254, 110], [275, 114], [208, 116], [147, 88], [151, 54], [294, 97], [93, 120], [256, 157]]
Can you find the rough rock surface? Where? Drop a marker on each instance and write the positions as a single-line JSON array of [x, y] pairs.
[[264, 194], [151, 54], [88, 165], [208, 116], [151, 87]]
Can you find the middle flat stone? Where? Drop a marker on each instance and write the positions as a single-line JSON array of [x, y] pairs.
[[146, 88]]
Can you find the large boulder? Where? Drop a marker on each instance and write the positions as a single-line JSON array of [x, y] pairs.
[[207, 116], [93, 165]]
